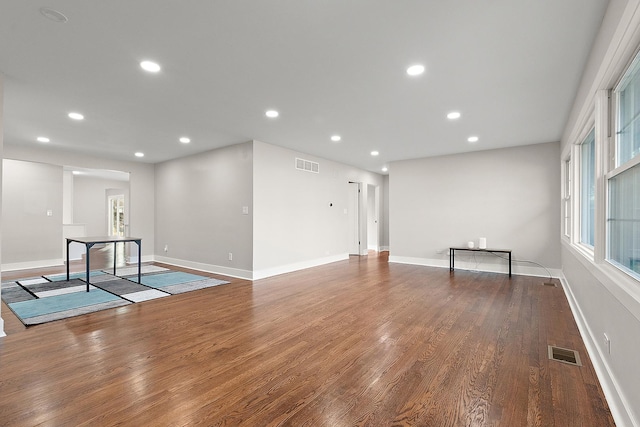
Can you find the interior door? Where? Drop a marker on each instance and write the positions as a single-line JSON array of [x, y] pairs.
[[354, 218], [116, 215]]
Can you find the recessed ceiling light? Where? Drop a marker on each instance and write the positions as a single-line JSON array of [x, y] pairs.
[[43, 139], [185, 140], [415, 70], [473, 139], [374, 153], [53, 15], [385, 169], [336, 138], [76, 173], [76, 116], [272, 114], [150, 66], [139, 154], [453, 115]]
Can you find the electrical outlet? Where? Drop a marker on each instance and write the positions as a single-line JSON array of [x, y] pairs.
[[230, 256], [607, 343], [166, 248]]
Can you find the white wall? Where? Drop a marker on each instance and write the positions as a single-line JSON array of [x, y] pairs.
[[509, 196], [30, 237], [141, 184], [299, 217], [605, 301], [601, 308], [1, 157], [91, 207], [199, 211]]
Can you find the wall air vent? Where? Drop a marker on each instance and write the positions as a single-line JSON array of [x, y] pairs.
[[307, 165]]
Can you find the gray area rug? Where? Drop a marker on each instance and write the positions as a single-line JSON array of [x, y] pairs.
[[43, 299], [122, 286], [131, 271], [11, 291], [49, 317]]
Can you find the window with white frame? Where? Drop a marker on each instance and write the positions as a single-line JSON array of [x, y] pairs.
[[623, 216], [587, 189], [566, 198]]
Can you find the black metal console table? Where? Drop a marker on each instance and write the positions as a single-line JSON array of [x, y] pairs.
[[88, 242], [452, 252]]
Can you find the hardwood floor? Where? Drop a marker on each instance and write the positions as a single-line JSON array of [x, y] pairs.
[[357, 342]]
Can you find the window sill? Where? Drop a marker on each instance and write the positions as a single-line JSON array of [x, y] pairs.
[[584, 250]]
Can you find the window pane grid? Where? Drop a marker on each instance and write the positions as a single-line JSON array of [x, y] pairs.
[[624, 219], [628, 134], [623, 215]]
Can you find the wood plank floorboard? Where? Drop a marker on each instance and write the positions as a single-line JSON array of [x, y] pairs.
[[359, 342]]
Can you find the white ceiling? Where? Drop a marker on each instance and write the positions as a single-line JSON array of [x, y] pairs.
[[511, 67]]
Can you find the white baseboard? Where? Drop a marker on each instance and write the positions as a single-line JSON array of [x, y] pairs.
[[2, 333], [247, 274], [32, 264], [618, 404], [483, 266], [133, 259], [384, 248], [288, 268], [209, 268], [58, 262]]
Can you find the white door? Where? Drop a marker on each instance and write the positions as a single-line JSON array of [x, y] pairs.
[[354, 215], [372, 217], [116, 215]]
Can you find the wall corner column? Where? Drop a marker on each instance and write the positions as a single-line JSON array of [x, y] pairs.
[[2, 334]]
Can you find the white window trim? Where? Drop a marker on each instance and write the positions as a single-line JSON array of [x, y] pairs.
[[628, 165], [584, 248], [602, 140], [567, 192], [628, 281], [623, 47]]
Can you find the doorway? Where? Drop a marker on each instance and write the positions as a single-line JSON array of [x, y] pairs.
[[116, 215], [373, 215], [354, 218]]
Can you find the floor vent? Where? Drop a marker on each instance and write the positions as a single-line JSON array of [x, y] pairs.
[[564, 355], [550, 284]]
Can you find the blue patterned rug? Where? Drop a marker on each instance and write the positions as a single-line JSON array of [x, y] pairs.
[[44, 299]]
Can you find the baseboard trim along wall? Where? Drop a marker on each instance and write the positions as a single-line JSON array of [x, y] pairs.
[[288, 268], [33, 264], [58, 262], [618, 404], [208, 268], [461, 264], [247, 274]]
